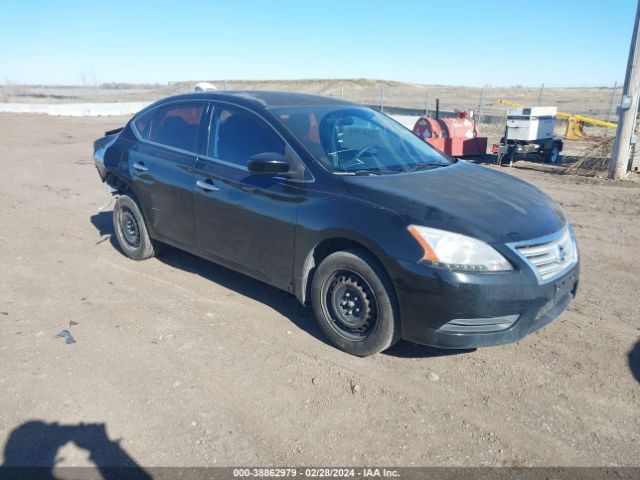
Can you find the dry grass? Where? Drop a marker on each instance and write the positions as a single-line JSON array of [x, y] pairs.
[[594, 159], [494, 131]]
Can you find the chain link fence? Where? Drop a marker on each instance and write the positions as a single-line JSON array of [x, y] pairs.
[[415, 99], [412, 100]]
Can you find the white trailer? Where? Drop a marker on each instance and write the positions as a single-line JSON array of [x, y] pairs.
[[529, 130]]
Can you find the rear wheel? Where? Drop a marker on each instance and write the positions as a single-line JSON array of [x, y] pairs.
[[354, 303], [131, 231]]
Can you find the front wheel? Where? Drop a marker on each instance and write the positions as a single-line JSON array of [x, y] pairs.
[[354, 303]]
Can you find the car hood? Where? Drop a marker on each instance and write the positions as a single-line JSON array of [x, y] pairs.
[[464, 198]]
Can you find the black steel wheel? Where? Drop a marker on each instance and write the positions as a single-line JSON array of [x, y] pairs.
[[131, 230], [351, 305], [354, 303], [128, 226]]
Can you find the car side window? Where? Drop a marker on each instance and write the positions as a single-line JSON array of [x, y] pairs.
[[173, 125], [238, 134], [142, 122]]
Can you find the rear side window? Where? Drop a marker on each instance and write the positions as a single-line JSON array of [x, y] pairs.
[[239, 134], [142, 123], [174, 125]]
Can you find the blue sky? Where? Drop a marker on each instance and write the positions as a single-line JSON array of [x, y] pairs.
[[495, 42]]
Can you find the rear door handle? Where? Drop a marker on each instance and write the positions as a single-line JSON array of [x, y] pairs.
[[140, 167], [207, 186]]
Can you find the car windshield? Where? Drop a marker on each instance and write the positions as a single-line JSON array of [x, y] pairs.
[[359, 140]]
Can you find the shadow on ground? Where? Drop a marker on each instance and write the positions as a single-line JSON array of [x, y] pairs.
[[35, 444], [282, 302], [634, 361], [103, 222]]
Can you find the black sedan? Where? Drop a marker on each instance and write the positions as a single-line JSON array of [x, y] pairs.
[[338, 204]]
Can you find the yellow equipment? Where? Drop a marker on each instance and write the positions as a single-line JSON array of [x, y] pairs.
[[574, 122], [574, 129]]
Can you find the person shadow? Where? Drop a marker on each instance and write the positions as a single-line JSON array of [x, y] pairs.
[[282, 302], [31, 449]]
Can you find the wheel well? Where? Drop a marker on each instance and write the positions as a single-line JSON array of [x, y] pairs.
[[322, 251], [119, 186]]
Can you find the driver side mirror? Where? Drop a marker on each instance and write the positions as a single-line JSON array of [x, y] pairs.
[[268, 163]]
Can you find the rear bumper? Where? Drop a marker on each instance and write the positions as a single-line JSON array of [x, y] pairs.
[[430, 299]]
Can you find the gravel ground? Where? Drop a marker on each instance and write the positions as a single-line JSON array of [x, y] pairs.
[[188, 363]]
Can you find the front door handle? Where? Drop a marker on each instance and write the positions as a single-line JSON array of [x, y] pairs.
[[207, 186], [140, 167]]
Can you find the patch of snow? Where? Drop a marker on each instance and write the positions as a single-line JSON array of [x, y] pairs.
[[108, 109], [94, 109]]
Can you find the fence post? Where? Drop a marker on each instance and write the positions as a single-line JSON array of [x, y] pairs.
[[341, 92], [382, 98], [540, 96], [481, 105], [426, 102], [613, 96]]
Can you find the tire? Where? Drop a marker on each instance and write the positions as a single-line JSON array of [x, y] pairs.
[[131, 231], [354, 303], [552, 155]]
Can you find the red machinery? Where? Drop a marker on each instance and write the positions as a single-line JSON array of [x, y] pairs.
[[457, 137]]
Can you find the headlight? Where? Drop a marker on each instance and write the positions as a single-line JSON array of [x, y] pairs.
[[458, 252]]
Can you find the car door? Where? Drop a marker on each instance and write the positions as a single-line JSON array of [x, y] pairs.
[[246, 220], [162, 166]]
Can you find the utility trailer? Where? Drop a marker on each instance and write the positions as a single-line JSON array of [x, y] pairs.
[[529, 130]]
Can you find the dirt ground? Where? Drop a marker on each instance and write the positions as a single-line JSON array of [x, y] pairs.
[[187, 363]]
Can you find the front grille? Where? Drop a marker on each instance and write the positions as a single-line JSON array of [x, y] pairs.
[[549, 256]]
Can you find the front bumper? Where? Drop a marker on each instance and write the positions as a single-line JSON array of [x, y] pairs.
[[430, 298]]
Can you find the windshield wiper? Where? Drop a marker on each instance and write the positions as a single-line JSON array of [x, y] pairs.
[[360, 172], [427, 166], [369, 172]]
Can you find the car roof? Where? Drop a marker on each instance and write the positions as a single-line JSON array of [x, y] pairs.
[[262, 98]]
